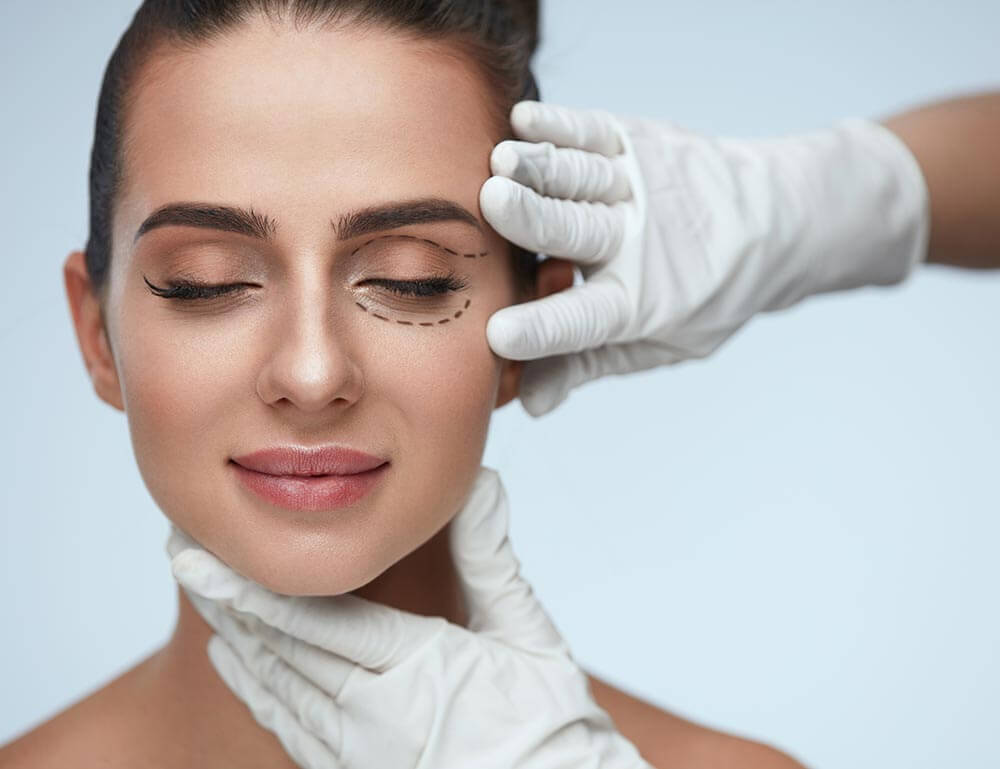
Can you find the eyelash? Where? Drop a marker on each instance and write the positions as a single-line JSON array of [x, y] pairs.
[[187, 290], [433, 286]]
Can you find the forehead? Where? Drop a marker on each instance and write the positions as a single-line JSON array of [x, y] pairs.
[[306, 123]]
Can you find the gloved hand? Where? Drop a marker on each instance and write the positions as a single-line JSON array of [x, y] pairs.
[[682, 238], [345, 682]]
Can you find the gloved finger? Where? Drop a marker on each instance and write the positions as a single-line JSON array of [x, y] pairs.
[[312, 707], [325, 669], [546, 382], [588, 233], [561, 173], [179, 540], [500, 602], [364, 632], [305, 749], [574, 319], [591, 130]]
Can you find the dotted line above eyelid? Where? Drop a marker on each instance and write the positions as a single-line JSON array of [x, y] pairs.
[[457, 314], [451, 251]]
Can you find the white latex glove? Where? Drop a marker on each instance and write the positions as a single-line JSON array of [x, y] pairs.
[[682, 238], [345, 682]]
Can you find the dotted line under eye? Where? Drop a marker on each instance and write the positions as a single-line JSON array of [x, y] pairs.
[[458, 314]]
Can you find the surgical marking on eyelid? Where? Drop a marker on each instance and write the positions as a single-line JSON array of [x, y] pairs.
[[458, 314], [425, 240]]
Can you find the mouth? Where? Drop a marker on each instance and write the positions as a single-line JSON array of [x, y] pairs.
[[314, 492], [309, 462]]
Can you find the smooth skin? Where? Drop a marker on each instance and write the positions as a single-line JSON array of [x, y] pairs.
[[305, 126]]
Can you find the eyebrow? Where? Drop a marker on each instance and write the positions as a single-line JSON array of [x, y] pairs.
[[246, 221]]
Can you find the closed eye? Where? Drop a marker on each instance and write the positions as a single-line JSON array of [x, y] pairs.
[[192, 290], [188, 290], [423, 287]]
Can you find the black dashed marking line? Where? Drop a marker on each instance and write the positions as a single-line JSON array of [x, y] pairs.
[[458, 314], [434, 243]]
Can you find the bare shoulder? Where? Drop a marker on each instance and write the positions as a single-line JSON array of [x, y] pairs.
[[100, 731], [668, 741]]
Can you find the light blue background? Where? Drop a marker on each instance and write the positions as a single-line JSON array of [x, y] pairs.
[[794, 540]]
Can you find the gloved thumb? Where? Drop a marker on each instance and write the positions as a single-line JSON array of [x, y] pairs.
[[577, 318], [499, 601]]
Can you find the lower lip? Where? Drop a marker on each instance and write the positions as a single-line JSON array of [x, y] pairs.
[[310, 494]]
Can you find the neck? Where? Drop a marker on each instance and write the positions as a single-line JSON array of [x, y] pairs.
[[425, 582]]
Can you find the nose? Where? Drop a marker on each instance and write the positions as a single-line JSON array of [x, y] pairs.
[[311, 363]]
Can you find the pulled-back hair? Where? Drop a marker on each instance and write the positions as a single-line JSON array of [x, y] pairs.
[[499, 36]]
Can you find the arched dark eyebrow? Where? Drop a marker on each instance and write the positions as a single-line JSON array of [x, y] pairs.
[[393, 215], [243, 221], [246, 221]]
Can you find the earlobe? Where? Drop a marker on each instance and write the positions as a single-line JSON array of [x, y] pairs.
[[510, 382], [91, 335], [554, 275]]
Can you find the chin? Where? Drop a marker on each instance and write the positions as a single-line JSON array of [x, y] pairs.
[[311, 582], [316, 570]]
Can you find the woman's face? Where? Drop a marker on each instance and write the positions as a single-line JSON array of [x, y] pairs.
[[332, 138]]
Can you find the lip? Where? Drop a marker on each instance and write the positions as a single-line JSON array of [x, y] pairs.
[[323, 460], [312, 480]]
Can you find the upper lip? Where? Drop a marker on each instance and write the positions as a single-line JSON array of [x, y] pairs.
[[297, 460]]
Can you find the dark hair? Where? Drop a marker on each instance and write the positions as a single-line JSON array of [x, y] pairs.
[[500, 36]]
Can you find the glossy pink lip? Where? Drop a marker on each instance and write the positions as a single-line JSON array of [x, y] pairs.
[[324, 460], [312, 480]]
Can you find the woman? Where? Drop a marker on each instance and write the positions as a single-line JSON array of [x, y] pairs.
[[321, 163]]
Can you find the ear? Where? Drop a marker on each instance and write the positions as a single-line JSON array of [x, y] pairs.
[[554, 275], [91, 333]]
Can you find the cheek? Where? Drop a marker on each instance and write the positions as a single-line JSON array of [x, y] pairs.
[[442, 391], [180, 392]]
